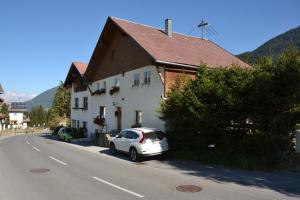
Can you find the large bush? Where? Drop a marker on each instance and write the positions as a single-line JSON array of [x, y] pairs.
[[246, 113]]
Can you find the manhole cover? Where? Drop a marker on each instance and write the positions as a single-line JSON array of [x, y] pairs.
[[39, 170], [188, 188]]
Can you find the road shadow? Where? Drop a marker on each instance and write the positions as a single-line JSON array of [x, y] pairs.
[[285, 182], [125, 156], [56, 138]]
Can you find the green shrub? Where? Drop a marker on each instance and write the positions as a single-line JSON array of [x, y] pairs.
[[247, 113]]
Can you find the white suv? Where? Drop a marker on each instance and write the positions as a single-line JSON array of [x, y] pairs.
[[139, 142]]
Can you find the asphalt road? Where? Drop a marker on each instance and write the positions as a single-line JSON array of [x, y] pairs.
[[77, 174]]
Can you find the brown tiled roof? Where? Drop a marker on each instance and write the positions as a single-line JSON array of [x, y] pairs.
[[1, 89], [178, 49], [81, 67], [77, 68]]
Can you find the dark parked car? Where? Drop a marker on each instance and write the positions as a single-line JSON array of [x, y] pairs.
[[55, 131]]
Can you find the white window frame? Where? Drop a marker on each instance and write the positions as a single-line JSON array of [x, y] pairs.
[[117, 82], [138, 117], [102, 114], [147, 78], [104, 85], [136, 79]]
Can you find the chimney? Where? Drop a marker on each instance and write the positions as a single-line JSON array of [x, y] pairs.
[[168, 27]]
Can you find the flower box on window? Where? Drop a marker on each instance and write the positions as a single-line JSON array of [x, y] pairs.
[[114, 89], [99, 92], [99, 121]]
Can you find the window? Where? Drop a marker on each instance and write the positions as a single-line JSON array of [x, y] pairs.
[[131, 135], [76, 102], [73, 123], [138, 117], [78, 122], [147, 77], [136, 79], [98, 86], [85, 102], [117, 82], [84, 124], [104, 85], [102, 112], [123, 133]]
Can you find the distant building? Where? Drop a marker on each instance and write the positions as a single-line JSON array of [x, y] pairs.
[[2, 117], [16, 115]]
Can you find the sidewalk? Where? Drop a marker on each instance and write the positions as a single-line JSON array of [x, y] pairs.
[[88, 146]]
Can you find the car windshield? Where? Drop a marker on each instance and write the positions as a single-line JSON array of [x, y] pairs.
[[69, 130], [154, 135]]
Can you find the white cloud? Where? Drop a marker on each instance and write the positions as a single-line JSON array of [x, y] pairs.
[[10, 96]]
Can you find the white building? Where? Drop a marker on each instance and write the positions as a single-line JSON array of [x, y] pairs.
[[130, 72], [16, 115], [80, 97]]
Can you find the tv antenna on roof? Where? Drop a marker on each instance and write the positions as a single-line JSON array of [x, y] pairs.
[[202, 25], [206, 28]]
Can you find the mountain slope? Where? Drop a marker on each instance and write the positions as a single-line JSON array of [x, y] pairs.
[[275, 45], [44, 99]]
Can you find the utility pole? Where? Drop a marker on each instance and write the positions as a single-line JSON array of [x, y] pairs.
[[202, 25]]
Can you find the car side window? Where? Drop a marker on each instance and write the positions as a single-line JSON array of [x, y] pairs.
[[129, 135], [135, 135], [123, 133]]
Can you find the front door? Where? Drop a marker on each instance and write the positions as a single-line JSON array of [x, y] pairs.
[[119, 118]]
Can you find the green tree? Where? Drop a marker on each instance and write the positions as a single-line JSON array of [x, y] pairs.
[[4, 111], [246, 113], [38, 116], [61, 107]]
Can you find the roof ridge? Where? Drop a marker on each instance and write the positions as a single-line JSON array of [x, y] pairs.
[[153, 27]]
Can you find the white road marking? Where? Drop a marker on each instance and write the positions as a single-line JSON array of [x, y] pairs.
[[59, 161], [118, 187], [35, 148], [27, 142]]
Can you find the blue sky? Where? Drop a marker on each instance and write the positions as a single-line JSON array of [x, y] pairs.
[[39, 38]]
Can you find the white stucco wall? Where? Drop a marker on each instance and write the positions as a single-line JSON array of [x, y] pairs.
[[80, 114], [16, 116], [145, 98]]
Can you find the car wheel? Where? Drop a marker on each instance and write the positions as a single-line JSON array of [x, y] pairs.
[[112, 148], [134, 156]]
